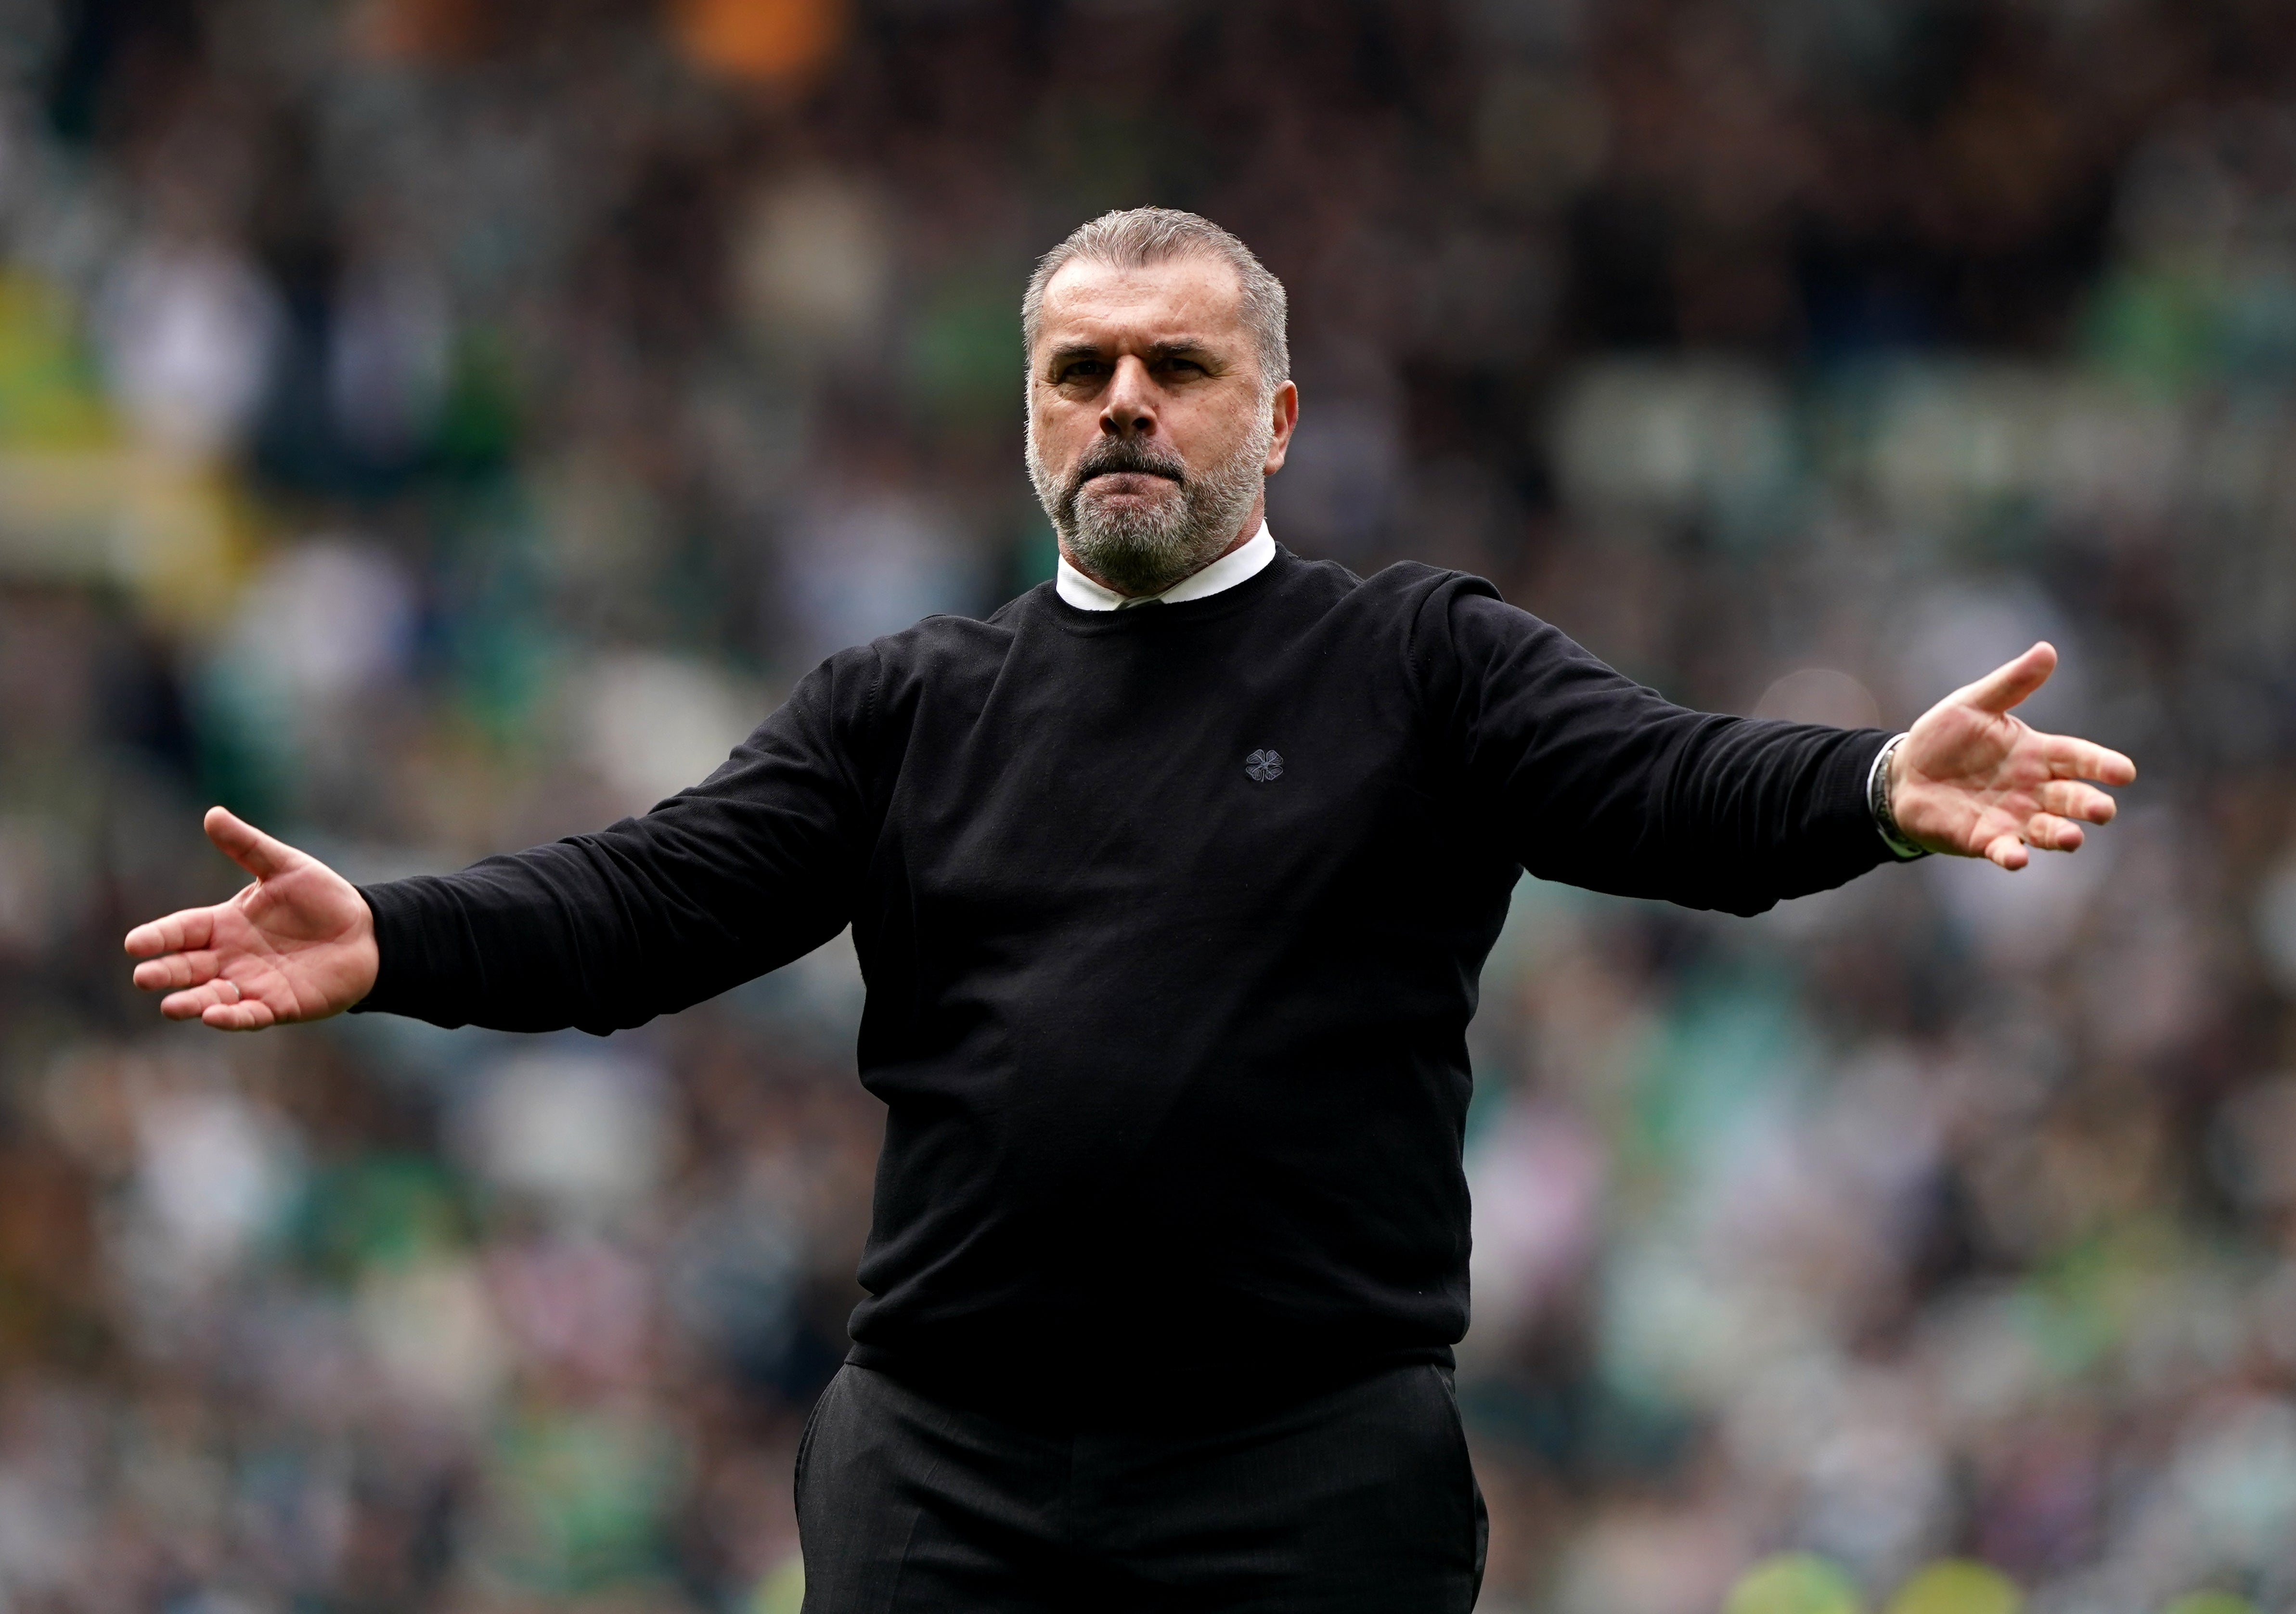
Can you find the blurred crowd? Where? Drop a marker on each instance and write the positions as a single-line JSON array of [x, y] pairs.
[[431, 426]]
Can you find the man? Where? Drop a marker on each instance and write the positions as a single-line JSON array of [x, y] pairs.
[[1171, 881]]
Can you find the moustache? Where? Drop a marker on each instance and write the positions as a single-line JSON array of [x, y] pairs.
[[1111, 456]]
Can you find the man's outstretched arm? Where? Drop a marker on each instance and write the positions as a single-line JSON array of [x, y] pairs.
[[752, 867], [1601, 782]]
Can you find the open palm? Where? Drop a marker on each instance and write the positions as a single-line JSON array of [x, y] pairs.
[[1972, 778], [297, 943]]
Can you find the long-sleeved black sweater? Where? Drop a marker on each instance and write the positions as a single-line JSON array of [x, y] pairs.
[[1171, 920]]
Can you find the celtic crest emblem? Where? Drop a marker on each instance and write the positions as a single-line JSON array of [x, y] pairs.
[[1265, 766]]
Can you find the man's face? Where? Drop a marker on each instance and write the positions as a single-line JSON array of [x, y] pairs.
[[1150, 432]]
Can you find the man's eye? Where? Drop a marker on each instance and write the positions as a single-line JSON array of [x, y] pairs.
[[1088, 369]]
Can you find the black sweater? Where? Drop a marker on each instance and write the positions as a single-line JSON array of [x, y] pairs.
[[1171, 920]]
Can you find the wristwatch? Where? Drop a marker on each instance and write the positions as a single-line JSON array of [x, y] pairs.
[[1877, 797]]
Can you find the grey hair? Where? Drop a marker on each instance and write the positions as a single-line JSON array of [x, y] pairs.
[[1133, 238]]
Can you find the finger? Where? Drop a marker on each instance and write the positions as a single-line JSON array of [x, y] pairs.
[[195, 1002], [189, 928], [2008, 851], [2070, 799], [250, 847], [177, 971], [2006, 684], [252, 1015], [2071, 758], [2052, 833]]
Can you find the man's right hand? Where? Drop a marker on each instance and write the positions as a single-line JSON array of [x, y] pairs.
[[298, 944]]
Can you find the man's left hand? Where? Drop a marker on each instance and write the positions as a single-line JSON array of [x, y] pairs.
[[1972, 780]]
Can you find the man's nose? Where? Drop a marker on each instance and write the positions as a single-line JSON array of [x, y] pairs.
[[1130, 409]]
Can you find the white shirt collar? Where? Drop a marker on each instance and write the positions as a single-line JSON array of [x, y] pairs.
[[1248, 558]]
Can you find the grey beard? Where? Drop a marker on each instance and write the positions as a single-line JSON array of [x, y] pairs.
[[1145, 552]]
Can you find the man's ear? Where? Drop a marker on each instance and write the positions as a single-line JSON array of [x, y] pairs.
[[1286, 410]]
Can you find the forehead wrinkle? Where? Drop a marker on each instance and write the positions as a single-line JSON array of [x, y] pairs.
[[1190, 307], [1087, 293]]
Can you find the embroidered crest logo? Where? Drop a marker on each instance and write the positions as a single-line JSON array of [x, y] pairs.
[[1266, 766]]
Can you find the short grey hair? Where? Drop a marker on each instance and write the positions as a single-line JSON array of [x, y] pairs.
[[1133, 238]]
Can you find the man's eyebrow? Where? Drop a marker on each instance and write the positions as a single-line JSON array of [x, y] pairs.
[[1178, 347]]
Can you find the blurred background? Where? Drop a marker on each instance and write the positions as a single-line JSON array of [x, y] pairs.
[[432, 426]]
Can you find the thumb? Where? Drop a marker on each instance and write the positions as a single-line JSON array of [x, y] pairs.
[[247, 847], [2007, 684]]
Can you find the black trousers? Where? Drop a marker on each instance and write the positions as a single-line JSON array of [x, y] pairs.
[[1357, 1500]]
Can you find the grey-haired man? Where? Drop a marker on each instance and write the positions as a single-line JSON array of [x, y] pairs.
[[1171, 881]]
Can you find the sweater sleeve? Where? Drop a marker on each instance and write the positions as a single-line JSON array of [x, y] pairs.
[[1594, 781], [753, 867]]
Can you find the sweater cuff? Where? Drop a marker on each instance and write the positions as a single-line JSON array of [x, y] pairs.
[[1846, 841], [410, 976]]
